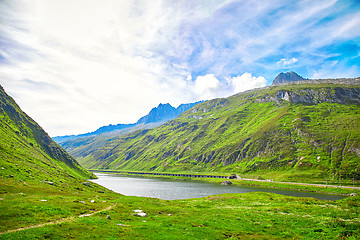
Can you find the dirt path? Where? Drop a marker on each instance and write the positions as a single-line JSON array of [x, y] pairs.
[[63, 220]]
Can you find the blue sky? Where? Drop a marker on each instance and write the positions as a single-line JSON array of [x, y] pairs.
[[75, 66]]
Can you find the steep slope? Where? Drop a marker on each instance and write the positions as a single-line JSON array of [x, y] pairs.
[[295, 127], [26, 150], [287, 78]]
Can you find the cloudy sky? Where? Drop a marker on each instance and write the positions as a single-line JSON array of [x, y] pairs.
[[77, 65]]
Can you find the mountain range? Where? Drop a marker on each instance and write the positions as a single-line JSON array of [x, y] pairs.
[[158, 115], [302, 127]]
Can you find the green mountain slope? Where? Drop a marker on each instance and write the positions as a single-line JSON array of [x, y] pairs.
[[26, 150], [82, 147], [296, 128]]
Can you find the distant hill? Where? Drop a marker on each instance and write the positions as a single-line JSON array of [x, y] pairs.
[[82, 145], [287, 77], [164, 112], [26, 150], [159, 114], [309, 128]]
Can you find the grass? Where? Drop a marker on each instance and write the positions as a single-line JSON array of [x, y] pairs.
[[237, 216]]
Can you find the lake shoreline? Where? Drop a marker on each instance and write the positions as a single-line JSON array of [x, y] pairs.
[[292, 186]]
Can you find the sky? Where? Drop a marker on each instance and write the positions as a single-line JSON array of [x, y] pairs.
[[76, 65]]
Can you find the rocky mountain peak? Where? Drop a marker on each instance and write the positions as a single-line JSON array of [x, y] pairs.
[[287, 77]]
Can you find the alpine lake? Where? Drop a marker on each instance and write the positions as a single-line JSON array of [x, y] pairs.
[[171, 189]]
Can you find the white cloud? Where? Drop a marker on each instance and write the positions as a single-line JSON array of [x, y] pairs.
[[285, 62], [77, 65], [246, 82], [207, 87], [102, 59]]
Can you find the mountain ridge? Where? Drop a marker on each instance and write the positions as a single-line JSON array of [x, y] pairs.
[[291, 126], [159, 114]]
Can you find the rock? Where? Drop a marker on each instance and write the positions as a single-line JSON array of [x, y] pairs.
[[51, 183], [287, 77], [352, 194], [227, 182], [100, 191], [11, 175], [92, 201], [108, 217], [140, 213], [43, 200], [86, 184]]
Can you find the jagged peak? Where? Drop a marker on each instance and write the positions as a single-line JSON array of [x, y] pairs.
[[287, 77]]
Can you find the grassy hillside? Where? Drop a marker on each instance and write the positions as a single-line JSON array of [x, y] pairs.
[[82, 147], [27, 152], [300, 129]]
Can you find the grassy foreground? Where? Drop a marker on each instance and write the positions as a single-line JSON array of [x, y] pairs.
[[237, 216]]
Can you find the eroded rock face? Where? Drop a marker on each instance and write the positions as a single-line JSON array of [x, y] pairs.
[[311, 96]]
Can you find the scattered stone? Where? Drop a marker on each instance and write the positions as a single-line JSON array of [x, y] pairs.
[[92, 201], [1, 199], [122, 225], [140, 213], [11, 175], [227, 182], [169, 214], [144, 221], [86, 184], [43, 200], [108, 217], [353, 194], [100, 191], [51, 183], [104, 201], [83, 202], [2, 168]]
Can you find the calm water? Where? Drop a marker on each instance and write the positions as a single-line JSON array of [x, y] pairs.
[[169, 189]]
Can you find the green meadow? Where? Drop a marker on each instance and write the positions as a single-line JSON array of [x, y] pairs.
[[255, 215]]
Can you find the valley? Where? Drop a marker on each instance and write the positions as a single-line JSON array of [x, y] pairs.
[[279, 133], [305, 131]]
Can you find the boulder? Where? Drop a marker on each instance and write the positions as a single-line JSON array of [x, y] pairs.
[[227, 182]]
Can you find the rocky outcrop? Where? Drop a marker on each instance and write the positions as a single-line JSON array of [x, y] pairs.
[[314, 96], [165, 112], [287, 77]]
